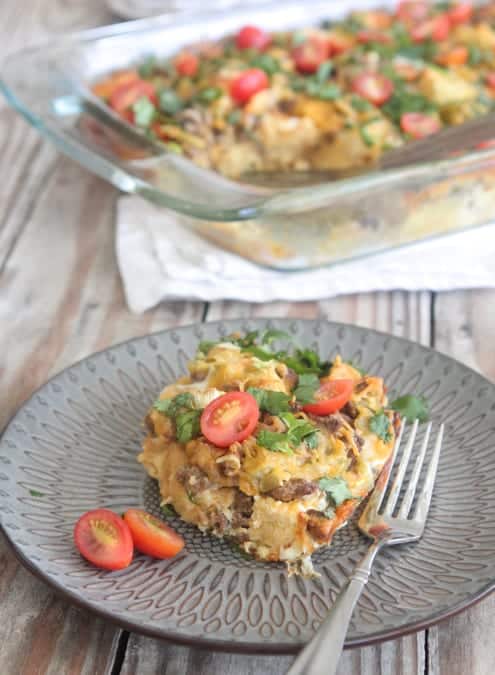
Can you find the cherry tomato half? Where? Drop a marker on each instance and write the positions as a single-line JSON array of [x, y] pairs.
[[461, 13], [374, 87], [419, 125], [437, 29], [490, 80], [123, 97], [186, 64], [249, 83], [412, 11], [102, 537], [330, 397], [457, 56], [338, 43], [309, 56], [252, 37], [151, 535], [365, 36], [230, 418]]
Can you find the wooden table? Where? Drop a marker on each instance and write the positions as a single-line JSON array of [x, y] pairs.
[[61, 298]]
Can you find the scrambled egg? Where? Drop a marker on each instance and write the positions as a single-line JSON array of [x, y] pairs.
[[273, 504]]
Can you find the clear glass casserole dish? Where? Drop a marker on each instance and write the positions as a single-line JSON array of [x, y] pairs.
[[283, 228]]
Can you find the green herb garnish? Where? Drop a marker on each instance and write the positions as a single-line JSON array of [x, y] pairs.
[[379, 424], [267, 63], [169, 102], [366, 136], [209, 94], [147, 67], [324, 71], [412, 408], [475, 55], [144, 112], [298, 430], [273, 402], [35, 493], [274, 441], [273, 334], [182, 410], [168, 510], [234, 117], [336, 489], [360, 104], [307, 385]]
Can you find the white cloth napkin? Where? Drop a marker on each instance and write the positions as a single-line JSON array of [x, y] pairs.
[[159, 259]]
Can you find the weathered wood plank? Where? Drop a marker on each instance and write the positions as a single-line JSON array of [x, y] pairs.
[[465, 329]]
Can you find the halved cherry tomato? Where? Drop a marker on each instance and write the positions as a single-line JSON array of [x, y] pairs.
[[102, 537], [151, 535], [230, 418], [338, 44], [407, 70], [309, 56], [123, 97], [365, 36], [106, 88], [249, 83], [461, 13], [419, 125], [374, 87], [412, 11], [186, 64], [330, 397], [252, 37], [457, 56], [437, 29], [490, 80]]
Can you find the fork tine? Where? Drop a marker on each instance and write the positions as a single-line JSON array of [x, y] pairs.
[[424, 499], [408, 498], [383, 485], [397, 484]]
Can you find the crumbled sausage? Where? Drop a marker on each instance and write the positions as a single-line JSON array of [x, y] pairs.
[[293, 489], [217, 520], [242, 509], [350, 410], [193, 479], [319, 526], [331, 422], [361, 385]]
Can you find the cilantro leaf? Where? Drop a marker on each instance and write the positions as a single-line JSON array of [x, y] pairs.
[[379, 424], [205, 346], [297, 429], [336, 489], [171, 406], [412, 407], [170, 103], [324, 71], [311, 440], [274, 441], [274, 334], [209, 94], [187, 425], [168, 510], [144, 112], [306, 387], [266, 62], [273, 402]]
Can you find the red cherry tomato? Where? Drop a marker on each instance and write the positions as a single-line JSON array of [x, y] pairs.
[[124, 97], [249, 83], [412, 11], [437, 29], [186, 64], [490, 80], [337, 44], [418, 125], [230, 418], [461, 13], [365, 36], [374, 87], [252, 37], [309, 56], [151, 535], [103, 538], [330, 397]]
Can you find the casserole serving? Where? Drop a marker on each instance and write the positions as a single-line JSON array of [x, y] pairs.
[[282, 227]]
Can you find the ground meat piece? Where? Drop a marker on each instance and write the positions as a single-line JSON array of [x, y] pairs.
[[330, 422], [217, 520], [350, 410], [242, 509], [193, 479], [358, 440], [319, 526], [361, 385], [293, 489]]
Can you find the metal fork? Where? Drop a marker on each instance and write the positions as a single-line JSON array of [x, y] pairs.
[[321, 656]]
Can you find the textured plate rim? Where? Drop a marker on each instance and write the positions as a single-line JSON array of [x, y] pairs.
[[230, 645]]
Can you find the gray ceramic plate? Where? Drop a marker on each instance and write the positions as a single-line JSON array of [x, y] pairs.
[[72, 447]]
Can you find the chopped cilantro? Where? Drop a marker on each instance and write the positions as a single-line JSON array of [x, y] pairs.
[[324, 71], [144, 112], [307, 385], [380, 425], [187, 425], [172, 406], [205, 346], [168, 510], [273, 402], [403, 101], [267, 63], [297, 429], [209, 94], [411, 407], [35, 493], [336, 489], [311, 440], [475, 55], [274, 441], [360, 104], [169, 102], [273, 334], [147, 67], [366, 136]]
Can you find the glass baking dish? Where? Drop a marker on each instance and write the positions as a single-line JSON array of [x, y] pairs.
[[283, 228]]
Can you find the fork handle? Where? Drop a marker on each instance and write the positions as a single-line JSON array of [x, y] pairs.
[[321, 655]]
